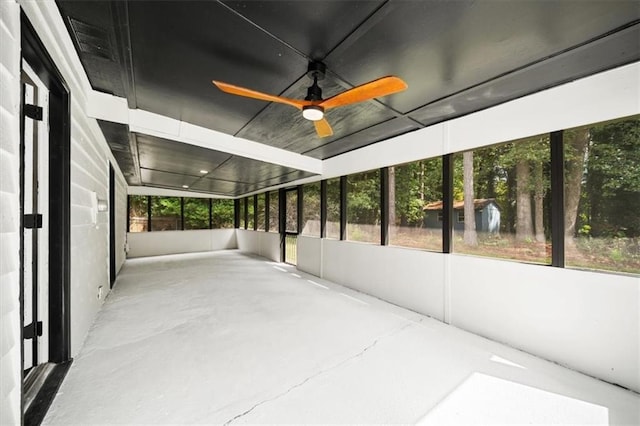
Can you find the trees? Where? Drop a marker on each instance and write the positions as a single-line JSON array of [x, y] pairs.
[[575, 151], [470, 235]]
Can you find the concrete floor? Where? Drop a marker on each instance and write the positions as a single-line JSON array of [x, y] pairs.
[[229, 338]]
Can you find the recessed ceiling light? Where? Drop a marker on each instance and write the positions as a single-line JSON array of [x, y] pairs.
[[185, 186], [204, 171]]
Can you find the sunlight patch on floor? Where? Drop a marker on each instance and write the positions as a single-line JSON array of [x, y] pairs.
[[484, 399], [500, 360]]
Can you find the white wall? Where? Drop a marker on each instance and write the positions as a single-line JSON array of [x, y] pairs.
[[10, 340], [265, 244], [172, 242], [587, 321], [413, 279], [310, 255]]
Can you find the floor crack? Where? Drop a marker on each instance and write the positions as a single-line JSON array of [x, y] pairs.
[[321, 372]]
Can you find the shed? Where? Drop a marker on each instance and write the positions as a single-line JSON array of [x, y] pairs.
[[487, 214]]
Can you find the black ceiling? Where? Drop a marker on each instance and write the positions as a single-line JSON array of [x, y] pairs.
[[456, 56]]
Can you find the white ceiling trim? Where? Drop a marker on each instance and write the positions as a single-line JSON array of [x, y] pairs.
[[150, 190], [106, 107]]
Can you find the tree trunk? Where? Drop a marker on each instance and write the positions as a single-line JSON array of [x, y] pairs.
[[538, 198], [470, 235], [392, 202], [422, 197], [524, 227], [576, 154]]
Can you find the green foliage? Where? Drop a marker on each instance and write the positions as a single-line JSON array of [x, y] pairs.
[[416, 184], [363, 198], [137, 205], [196, 213], [222, 213], [610, 199]]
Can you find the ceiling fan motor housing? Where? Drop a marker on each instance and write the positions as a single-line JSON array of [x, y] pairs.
[[316, 70]]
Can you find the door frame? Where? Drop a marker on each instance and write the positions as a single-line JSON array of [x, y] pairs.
[[59, 180], [34, 53], [112, 226]]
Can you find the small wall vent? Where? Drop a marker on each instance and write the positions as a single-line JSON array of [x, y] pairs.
[[92, 40]]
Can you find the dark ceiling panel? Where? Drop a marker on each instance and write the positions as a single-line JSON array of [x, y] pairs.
[[284, 127], [91, 29], [176, 157], [314, 27], [179, 47], [377, 133], [440, 48], [616, 49], [166, 179], [240, 169]]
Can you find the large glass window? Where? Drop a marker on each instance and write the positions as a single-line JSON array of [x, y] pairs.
[[415, 205], [602, 196], [363, 207], [333, 208], [250, 217], [138, 213], [291, 218], [196, 213], [261, 213], [222, 212], [311, 209], [166, 214], [273, 211], [502, 198]]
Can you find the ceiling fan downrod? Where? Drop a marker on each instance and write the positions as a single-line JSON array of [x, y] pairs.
[[315, 71]]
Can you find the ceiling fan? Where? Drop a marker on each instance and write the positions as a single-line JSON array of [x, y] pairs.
[[313, 106]]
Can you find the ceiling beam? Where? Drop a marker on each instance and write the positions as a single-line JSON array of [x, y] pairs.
[[102, 106]]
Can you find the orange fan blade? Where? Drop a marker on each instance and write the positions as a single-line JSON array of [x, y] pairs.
[[374, 89], [323, 128], [248, 93]]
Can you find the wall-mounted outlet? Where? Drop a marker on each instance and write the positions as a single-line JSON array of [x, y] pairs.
[[100, 292]]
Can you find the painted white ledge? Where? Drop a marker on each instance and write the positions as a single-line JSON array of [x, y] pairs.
[[150, 190], [102, 106]]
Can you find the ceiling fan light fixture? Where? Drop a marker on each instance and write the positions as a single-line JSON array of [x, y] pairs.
[[313, 112]]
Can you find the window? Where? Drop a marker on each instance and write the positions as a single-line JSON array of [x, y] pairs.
[[138, 213], [250, 216], [333, 208], [222, 212], [243, 217], [363, 207], [291, 210], [196, 213], [602, 196], [415, 205], [311, 209], [502, 201], [273, 211], [261, 213], [166, 214]]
